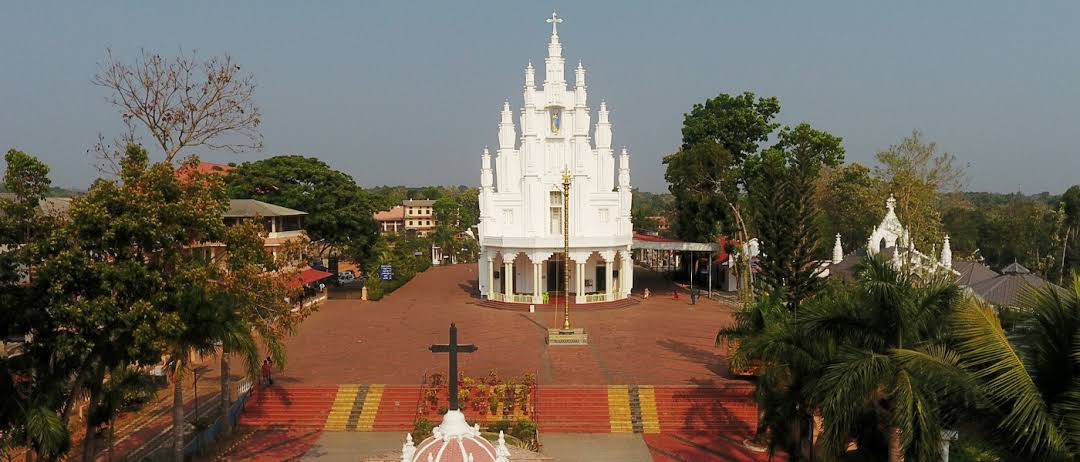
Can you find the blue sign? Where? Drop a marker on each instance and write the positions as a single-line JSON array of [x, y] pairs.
[[386, 272]]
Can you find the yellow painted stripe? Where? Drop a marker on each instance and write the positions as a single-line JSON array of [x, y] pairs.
[[619, 409], [342, 407], [650, 422], [366, 421]]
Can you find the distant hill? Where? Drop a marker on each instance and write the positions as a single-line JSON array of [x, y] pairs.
[[55, 192]]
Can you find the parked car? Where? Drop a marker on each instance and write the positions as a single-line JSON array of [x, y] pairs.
[[345, 278]]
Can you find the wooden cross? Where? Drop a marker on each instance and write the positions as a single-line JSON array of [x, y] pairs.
[[453, 348]]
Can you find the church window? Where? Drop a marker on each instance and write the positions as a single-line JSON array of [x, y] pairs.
[[555, 201], [603, 215], [508, 216]]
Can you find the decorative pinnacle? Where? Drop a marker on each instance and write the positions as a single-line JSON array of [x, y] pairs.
[[566, 176], [554, 20]]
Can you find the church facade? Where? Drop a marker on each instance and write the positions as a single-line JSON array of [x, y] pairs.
[[522, 208]]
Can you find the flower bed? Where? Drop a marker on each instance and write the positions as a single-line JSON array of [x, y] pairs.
[[488, 398]]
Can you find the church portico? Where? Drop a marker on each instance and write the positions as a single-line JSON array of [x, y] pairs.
[[536, 276]]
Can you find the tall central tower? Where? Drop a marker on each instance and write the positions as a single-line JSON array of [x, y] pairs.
[[521, 203]]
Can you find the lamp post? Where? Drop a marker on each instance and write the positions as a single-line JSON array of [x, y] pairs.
[[566, 247]]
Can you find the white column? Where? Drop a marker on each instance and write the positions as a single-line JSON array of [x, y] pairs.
[[489, 278], [609, 272], [626, 272], [537, 297], [580, 296], [508, 278]]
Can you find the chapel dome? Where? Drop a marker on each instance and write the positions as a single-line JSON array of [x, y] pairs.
[[455, 441]]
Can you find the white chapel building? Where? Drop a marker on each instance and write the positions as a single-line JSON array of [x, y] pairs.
[[521, 203]]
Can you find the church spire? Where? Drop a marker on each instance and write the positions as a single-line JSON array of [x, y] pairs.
[[837, 251], [946, 253], [554, 62]]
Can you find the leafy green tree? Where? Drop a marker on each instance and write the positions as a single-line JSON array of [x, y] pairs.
[[109, 275], [781, 186], [37, 377], [705, 174], [737, 123], [703, 178], [1030, 374], [339, 212], [846, 197], [1070, 251]]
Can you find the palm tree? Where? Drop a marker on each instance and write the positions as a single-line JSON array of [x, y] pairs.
[[785, 361], [883, 386], [203, 310], [255, 288], [1031, 374]]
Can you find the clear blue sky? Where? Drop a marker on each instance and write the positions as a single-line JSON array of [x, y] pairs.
[[409, 92]]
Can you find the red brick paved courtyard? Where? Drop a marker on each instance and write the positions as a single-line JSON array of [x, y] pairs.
[[659, 341]]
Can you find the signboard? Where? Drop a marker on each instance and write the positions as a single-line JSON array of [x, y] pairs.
[[386, 272]]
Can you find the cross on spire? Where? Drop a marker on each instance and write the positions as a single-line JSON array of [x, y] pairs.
[[554, 20], [453, 348]]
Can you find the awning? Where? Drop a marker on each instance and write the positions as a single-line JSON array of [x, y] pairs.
[[643, 241], [308, 276]]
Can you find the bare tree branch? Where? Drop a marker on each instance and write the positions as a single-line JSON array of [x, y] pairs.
[[186, 101]]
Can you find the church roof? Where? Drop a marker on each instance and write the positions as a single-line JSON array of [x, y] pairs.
[[972, 272]]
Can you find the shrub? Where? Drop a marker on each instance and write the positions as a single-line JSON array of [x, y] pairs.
[[421, 429]]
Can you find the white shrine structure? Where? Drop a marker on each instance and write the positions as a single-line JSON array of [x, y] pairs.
[[521, 203], [893, 240]]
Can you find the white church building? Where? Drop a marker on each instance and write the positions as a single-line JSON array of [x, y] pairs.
[[521, 203]]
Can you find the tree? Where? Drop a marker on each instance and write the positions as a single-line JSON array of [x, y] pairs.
[[704, 181], [184, 101], [255, 289], [846, 196], [37, 377], [1030, 374], [780, 183], [737, 123], [706, 172], [111, 274], [339, 213], [886, 379], [922, 180], [787, 362], [1070, 256]]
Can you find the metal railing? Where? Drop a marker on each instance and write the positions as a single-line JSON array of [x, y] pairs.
[[595, 298]]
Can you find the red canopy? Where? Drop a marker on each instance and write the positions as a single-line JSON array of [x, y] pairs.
[[307, 277]]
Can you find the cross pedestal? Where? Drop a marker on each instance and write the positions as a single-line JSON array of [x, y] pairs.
[[573, 336]]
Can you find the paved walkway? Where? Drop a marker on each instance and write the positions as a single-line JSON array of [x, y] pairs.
[[350, 447], [595, 447], [660, 341]]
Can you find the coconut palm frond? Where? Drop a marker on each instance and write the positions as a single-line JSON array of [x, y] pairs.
[[1005, 378]]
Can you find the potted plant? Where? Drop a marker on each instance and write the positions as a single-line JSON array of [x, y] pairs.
[[545, 295]]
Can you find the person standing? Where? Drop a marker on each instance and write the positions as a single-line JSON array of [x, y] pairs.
[[267, 368]]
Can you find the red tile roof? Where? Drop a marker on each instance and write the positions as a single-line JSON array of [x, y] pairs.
[[307, 277], [395, 214]]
